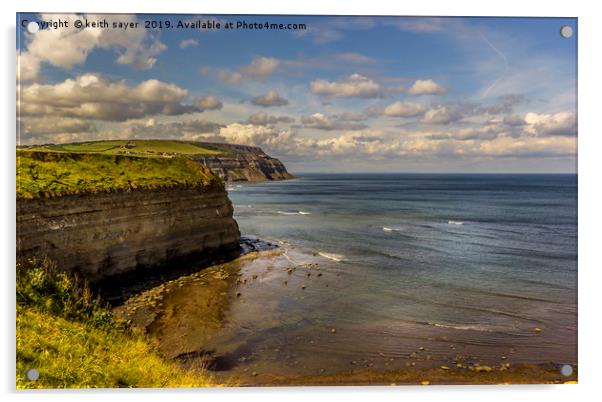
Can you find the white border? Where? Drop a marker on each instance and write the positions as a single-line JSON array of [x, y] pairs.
[[590, 199]]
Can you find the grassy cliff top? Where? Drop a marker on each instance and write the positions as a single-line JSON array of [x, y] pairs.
[[48, 173], [134, 147]]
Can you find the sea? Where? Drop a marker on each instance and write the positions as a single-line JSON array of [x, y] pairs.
[[420, 269], [383, 272]]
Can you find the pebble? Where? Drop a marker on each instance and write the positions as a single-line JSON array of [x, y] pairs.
[[238, 294], [333, 330], [302, 286], [485, 369], [425, 382], [254, 373], [319, 273], [537, 329], [444, 368], [421, 348]]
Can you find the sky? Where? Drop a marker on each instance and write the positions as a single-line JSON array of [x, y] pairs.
[[343, 94]]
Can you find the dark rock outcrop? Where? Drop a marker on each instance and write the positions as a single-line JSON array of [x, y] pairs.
[[243, 163], [101, 235]]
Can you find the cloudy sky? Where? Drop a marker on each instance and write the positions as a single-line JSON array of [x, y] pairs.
[[346, 94]]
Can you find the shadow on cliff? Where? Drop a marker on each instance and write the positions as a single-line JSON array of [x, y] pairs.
[[116, 289]]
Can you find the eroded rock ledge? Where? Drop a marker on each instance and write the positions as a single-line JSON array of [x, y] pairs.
[[102, 235]]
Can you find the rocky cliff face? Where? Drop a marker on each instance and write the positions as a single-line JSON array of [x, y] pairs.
[[101, 235], [243, 163]]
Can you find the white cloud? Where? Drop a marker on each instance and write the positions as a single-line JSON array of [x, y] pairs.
[[188, 43], [441, 115], [514, 120], [353, 116], [426, 87], [91, 96], [322, 122], [271, 98], [263, 119], [229, 77], [68, 47], [559, 124], [259, 68], [267, 137], [524, 146], [191, 130], [208, 103], [404, 109], [355, 85]]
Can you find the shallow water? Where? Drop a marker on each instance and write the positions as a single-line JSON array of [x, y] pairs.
[[404, 270]]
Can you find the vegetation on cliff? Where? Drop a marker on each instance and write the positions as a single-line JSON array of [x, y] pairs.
[[74, 341], [134, 147], [45, 173]]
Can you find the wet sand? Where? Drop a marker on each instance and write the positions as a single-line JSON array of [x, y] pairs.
[[245, 321]]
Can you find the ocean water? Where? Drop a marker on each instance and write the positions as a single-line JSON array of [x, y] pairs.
[[479, 265]]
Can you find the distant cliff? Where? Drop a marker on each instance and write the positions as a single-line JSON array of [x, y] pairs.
[[243, 163], [228, 161]]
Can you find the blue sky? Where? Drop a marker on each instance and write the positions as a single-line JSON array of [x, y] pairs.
[[402, 94]]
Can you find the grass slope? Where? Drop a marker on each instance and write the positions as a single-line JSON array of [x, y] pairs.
[[49, 174], [73, 340]]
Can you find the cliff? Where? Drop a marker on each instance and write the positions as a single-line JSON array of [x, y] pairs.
[[101, 235], [243, 163], [228, 161], [102, 215]]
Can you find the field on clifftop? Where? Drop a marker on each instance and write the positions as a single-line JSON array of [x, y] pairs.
[[134, 147], [50, 173]]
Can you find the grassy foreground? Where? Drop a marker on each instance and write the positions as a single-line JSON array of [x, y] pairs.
[[51, 174], [74, 341]]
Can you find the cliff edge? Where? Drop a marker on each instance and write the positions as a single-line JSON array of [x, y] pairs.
[[100, 215]]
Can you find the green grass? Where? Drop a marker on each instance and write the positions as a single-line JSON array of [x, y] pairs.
[[73, 340], [50, 174], [133, 147]]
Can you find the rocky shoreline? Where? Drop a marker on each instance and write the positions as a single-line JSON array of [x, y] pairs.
[[212, 320], [119, 288]]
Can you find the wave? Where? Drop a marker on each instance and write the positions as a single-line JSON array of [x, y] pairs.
[[462, 327], [455, 222], [389, 229], [293, 213], [334, 257]]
